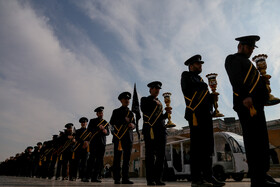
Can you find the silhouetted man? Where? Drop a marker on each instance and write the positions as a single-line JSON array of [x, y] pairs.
[[154, 132], [199, 105], [249, 97], [122, 120]]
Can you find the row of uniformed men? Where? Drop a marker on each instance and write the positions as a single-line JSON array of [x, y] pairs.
[[72, 146]]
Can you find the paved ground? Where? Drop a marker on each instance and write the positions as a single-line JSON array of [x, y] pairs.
[[138, 182]]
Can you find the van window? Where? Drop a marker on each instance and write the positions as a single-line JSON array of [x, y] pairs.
[[186, 152], [168, 153], [235, 146], [223, 149], [177, 156]]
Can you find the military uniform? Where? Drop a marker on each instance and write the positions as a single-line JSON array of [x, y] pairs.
[[19, 164], [96, 146], [247, 82], [12, 166], [45, 157], [53, 156], [28, 162], [80, 152], [58, 155], [122, 139], [154, 132], [37, 168], [199, 105], [67, 153]]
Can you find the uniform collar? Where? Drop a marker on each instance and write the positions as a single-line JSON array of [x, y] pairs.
[[194, 73], [124, 107], [153, 97], [242, 54]]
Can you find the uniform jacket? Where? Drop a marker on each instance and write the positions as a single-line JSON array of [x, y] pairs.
[[63, 139], [100, 137], [148, 105], [118, 119], [237, 67], [192, 85], [79, 137], [198, 102]]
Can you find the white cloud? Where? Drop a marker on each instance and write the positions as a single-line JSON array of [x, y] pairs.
[[158, 40], [44, 85]]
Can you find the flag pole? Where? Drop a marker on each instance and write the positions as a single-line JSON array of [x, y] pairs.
[[136, 110]]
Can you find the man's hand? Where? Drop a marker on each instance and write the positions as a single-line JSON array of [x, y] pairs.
[[215, 96], [266, 79], [104, 131], [85, 144], [127, 119], [248, 102], [101, 127], [74, 140], [131, 125], [70, 137], [168, 110]]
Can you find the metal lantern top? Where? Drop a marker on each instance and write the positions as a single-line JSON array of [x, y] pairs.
[[212, 76], [261, 57], [166, 94]]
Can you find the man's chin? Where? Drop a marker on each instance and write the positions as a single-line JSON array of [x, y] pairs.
[[249, 55]]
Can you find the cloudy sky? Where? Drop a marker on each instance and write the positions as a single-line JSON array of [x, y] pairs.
[[59, 60]]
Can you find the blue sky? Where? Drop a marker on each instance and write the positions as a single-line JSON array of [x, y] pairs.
[[62, 59]]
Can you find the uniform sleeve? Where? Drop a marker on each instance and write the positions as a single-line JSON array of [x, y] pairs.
[[89, 127], [189, 85], [185, 83], [108, 131], [233, 66], [143, 104], [113, 118], [63, 139], [77, 137], [94, 123]]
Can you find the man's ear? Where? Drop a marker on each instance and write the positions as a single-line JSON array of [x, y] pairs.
[[240, 47]]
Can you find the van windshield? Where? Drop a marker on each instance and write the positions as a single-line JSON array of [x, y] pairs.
[[239, 141]]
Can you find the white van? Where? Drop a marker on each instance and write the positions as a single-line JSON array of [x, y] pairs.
[[229, 158]]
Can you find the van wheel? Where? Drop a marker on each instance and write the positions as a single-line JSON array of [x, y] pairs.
[[237, 176], [218, 172]]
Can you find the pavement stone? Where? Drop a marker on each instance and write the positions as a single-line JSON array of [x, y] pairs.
[[8, 181]]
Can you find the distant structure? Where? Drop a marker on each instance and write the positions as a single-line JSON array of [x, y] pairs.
[[137, 165]]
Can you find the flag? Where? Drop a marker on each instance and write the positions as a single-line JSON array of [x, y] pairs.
[[135, 104], [136, 110]]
